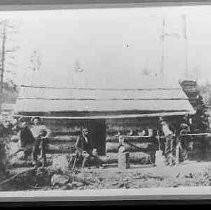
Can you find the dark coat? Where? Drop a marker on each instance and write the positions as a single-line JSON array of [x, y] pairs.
[[82, 144], [2, 130], [26, 136]]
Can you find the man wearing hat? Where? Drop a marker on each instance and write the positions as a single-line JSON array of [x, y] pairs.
[[168, 133], [83, 146], [85, 150], [184, 141], [41, 133], [25, 135]]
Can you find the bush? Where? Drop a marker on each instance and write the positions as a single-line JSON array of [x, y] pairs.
[[3, 156]]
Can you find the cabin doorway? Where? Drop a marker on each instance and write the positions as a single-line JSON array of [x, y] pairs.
[[97, 130]]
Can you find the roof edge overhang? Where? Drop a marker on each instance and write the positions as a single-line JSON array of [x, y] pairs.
[[122, 116]]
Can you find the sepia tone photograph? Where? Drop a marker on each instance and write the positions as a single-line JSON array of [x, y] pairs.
[[105, 99]]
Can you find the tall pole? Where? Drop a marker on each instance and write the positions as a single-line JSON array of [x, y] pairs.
[[163, 48], [3, 56], [2, 60], [186, 45], [163, 36]]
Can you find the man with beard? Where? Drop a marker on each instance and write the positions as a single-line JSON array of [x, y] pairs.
[[84, 149]]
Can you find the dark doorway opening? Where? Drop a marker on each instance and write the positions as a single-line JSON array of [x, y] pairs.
[[97, 130]]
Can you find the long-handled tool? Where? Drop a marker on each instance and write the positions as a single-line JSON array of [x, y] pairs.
[[178, 148], [74, 162], [159, 158]]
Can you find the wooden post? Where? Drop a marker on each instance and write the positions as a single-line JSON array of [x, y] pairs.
[[178, 146], [123, 158], [123, 161]]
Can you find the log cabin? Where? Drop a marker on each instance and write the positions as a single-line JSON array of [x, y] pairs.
[[107, 110]]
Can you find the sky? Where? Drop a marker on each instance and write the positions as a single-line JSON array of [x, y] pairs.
[[60, 47]]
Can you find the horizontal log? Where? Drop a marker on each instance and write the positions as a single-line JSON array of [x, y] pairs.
[[112, 132], [109, 158], [197, 134], [61, 148], [126, 125], [112, 129], [112, 139], [139, 139], [140, 157], [131, 139], [133, 147], [63, 139], [67, 138], [61, 145], [64, 133], [196, 137], [134, 158]]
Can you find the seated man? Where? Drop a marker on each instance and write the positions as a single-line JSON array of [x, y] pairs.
[[84, 149]]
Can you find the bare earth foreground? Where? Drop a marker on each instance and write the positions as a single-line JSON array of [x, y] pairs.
[[191, 173]]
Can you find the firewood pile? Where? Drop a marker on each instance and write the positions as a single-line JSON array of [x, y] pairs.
[[3, 157], [192, 91], [200, 121]]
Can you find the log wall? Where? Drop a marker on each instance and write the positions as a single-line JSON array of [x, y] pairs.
[[142, 151]]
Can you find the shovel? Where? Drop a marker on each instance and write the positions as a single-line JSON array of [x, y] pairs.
[[159, 158]]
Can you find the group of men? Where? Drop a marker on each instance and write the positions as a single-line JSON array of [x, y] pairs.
[[33, 140], [175, 139]]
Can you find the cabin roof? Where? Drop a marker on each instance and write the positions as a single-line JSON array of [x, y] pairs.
[[151, 97]]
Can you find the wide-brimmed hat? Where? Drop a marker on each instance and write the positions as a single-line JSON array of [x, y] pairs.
[[36, 117]]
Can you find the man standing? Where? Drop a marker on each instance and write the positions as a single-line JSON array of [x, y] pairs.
[[184, 140], [26, 138], [167, 131], [41, 133]]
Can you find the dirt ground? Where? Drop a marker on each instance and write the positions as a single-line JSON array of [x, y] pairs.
[[187, 174], [190, 173]]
